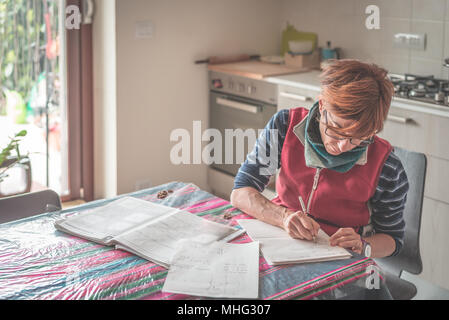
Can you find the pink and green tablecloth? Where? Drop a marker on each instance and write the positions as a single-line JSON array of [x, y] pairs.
[[39, 262]]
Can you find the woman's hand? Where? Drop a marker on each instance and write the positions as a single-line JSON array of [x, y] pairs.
[[347, 238], [299, 226]]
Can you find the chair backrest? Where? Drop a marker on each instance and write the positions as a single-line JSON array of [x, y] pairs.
[[28, 204], [409, 258]]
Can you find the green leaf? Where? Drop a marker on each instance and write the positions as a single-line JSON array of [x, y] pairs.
[[30, 15], [11, 56], [22, 133], [17, 151]]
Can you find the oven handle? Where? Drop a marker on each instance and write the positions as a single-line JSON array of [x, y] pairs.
[[398, 119], [295, 96], [238, 105]]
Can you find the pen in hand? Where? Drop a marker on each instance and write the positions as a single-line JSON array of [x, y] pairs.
[[303, 206]]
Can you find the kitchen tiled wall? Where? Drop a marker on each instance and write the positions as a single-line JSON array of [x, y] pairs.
[[343, 23]]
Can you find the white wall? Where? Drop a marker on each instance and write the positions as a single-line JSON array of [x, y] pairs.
[[343, 22], [105, 106], [159, 88]]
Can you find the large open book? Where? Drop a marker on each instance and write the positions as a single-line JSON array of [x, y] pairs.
[[149, 230], [279, 248]]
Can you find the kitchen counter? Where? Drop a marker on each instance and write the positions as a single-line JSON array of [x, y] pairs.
[[310, 80], [255, 69], [305, 80]]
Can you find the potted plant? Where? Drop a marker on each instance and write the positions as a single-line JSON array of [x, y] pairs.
[[10, 157]]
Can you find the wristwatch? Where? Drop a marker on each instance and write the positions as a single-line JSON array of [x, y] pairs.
[[366, 248]]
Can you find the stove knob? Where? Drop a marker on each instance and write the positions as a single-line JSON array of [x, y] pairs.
[[251, 89], [439, 97], [217, 83], [241, 87]]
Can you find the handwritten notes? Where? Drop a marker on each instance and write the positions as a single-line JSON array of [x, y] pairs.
[[219, 270], [157, 241], [279, 248]]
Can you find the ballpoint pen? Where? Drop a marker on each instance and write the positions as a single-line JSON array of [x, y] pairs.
[[303, 206]]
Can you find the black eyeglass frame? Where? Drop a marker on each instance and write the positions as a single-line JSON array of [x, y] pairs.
[[363, 143]]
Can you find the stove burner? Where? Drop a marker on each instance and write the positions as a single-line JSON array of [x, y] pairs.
[[422, 88], [418, 92], [430, 83]]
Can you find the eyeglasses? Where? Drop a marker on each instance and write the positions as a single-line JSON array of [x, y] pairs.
[[353, 141]]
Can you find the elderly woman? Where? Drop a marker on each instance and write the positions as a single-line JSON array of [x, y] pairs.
[[335, 172]]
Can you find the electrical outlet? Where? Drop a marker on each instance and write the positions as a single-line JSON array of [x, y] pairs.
[[410, 40], [144, 30]]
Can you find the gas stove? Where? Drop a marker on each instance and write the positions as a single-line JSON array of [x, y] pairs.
[[425, 89]]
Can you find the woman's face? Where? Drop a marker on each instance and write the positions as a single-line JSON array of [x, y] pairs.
[[334, 146]]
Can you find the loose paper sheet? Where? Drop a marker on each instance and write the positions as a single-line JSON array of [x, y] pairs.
[[279, 248], [219, 270]]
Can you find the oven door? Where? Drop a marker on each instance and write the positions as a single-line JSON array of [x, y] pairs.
[[229, 113]]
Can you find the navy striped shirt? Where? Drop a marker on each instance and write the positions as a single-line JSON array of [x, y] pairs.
[[387, 204]]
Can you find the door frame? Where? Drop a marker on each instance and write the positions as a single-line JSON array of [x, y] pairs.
[[80, 110]]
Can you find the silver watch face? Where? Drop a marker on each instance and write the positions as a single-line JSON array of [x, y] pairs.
[[367, 250]]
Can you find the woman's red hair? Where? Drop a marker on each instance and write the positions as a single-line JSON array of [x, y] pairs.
[[357, 91]]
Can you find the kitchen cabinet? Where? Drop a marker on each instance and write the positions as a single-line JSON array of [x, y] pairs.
[[421, 132], [433, 242], [437, 179], [425, 133], [297, 90], [292, 97]]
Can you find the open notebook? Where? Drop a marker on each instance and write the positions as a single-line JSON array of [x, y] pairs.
[[149, 230], [279, 248]]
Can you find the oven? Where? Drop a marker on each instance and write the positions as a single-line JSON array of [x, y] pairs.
[[236, 103]]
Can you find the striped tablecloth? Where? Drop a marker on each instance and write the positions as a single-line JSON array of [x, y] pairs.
[[39, 262]]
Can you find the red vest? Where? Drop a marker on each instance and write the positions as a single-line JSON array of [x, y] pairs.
[[339, 199]]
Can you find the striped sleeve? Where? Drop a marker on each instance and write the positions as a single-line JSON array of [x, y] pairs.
[[389, 200], [265, 158]]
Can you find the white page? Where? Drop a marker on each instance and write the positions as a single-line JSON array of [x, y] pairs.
[[279, 248], [257, 229], [157, 240], [219, 270], [282, 251], [114, 218]]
